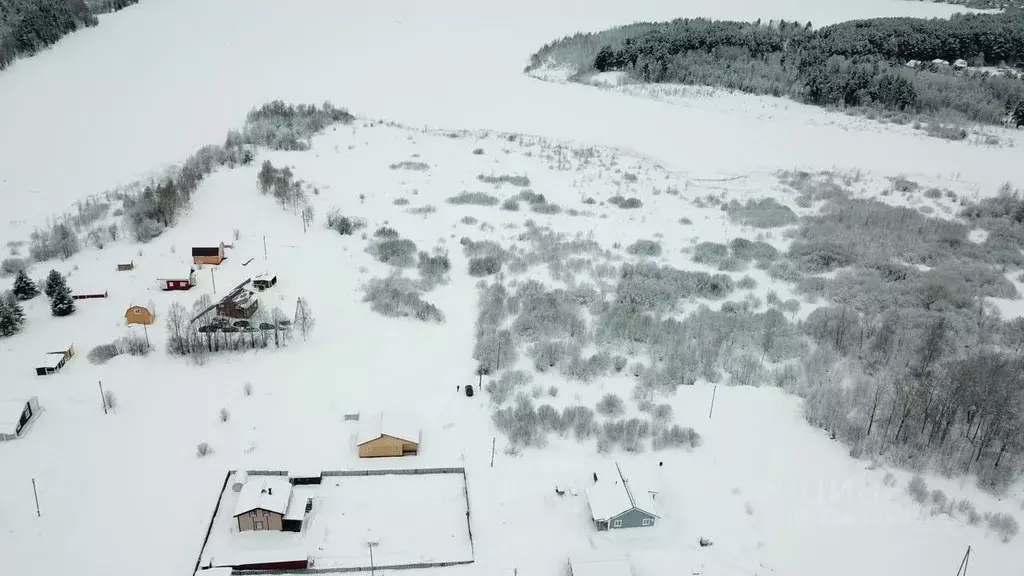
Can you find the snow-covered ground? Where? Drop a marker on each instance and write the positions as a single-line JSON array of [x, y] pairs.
[[109, 104], [125, 493], [409, 518]]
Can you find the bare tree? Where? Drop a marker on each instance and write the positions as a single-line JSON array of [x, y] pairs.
[[304, 319]]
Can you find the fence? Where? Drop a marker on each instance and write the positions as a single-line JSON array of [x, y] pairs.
[[348, 570], [213, 518]]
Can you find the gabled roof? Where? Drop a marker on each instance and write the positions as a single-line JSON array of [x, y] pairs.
[[10, 415], [270, 493], [373, 426], [612, 495]]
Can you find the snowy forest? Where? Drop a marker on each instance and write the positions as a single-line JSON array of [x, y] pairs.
[[28, 26], [851, 64]]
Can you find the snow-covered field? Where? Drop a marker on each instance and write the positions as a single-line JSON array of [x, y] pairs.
[[125, 494], [409, 518]]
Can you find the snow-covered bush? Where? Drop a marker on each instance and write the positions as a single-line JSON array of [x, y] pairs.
[[134, 344], [410, 165], [519, 423], [103, 353], [399, 297], [746, 283], [676, 437], [283, 126], [495, 350], [546, 354], [12, 265], [510, 205], [423, 210], [587, 368], [619, 363], [343, 224], [763, 213], [966, 508], [484, 266], [400, 252], [514, 180], [247, 389], [645, 248], [1004, 525], [531, 197], [917, 488], [203, 449], [224, 415], [546, 208], [550, 418], [470, 221], [710, 253], [506, 385], [434, 269], [662, 413], [580, 419], [400, 201], [387, 233], [889, 480], [109, 400], [611, 405], [625, 203], [473, 198]]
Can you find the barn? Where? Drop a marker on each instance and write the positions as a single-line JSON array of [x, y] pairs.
[[15, 416], [139, 315], [208, 254], [387, 434], [615, 503], [262, 503]]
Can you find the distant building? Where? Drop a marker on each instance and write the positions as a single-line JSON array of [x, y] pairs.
[[387, 434], [262, 503], [139, 315], [15, 416], [208, 254], [615, 503]]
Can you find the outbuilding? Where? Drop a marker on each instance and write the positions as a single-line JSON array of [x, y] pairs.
[[387, 434], [178, 282], [208, 254], [15, 416], [263, 281], [615, 503], [139, 315], [54, 361], [125, 266], [262, 503]]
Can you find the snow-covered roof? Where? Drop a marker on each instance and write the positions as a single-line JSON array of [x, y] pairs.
[[614, 567], [401, 426], [10, 415], [51, 360], [269, 493], [613, 494]]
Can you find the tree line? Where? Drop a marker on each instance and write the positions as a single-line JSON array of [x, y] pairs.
[[856, 63]]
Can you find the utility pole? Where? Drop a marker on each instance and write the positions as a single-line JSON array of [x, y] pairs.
[[713, 394], [264, 246], [962, 571], [497, 358], [371, 546], [494, 442], [103, 398], [214, 278], [146, 330], [36, 494]]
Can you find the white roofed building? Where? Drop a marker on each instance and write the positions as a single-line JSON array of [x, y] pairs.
[[387, 434], [262, 503], [615, 503]]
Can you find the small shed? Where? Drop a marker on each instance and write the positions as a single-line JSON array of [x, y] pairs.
[[263, 281], [139, 315], [610, 567], [262, 503], [615, 503], [54, 361], [180, 282], [208, 254], [88, 295], [15, 416], [125, 266], [387, 434]]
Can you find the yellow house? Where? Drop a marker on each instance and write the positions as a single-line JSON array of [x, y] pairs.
[[382, 435], [139, 315]]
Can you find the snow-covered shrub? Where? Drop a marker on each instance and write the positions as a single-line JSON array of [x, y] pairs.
[[224, 415], [611, 405], [933, 193], [478, 151], [710, 253], [531, 197], [676, 437], [434, 269], [625, 203], [619, 363], [399, 297], [506, 385], [484, 265], [519, 423], [473, 198], [283, 126], [648, 286], [662, 413], [546, 354], [580, 419], [521, 181], [342, 224], [645, 248], [553, 391], [12, 266], [510, 205], [889, 480], [917, 488], [387, 233], [398, 252], [495, 350], [763, 213], [410, 165], [546, 208], [423, 210], [940, 503], [588, 368], [103, 353], [746, 283], [545, 314], [247, 389], [550, 418], [203, 449], [133, 344], [109, 400], [686, 221], [400, 201], [469, 220], [1004, 525], [969, 512]]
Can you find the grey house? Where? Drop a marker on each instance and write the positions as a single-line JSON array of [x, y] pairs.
[[615, 503]]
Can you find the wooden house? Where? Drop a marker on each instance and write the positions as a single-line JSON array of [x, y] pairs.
[[615, 503], [125, 266], [177, 282], [239, 303], [387, 434], [263, 281], [262, 503], [15, 416], [54, 361], [208, 254], [139, 315]]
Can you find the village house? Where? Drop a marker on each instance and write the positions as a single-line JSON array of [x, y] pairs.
[[208, 254], [387, 434], [615, 503], [138, 315], [262, 503], [239, 303], [15, 416]]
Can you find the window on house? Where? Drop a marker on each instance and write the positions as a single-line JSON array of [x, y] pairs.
[[617, 523], [648, 522]]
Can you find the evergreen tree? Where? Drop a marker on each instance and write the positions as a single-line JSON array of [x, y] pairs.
[[24, 288], [53, 280], [12, 317], [62, 304]]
